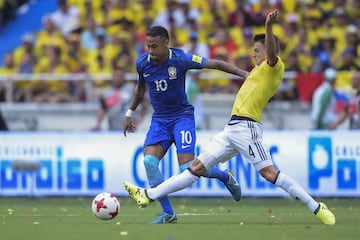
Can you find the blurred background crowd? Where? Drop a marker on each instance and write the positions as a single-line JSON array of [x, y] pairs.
[[88, 37]]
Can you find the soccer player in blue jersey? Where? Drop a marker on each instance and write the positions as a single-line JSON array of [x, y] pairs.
[[162, 73], [243, 133]]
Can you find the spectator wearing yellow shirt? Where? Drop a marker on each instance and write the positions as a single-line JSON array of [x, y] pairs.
[[116, 45], [220, 9], [6, 71], [339, 22], [50, 35], [178, 35], [237, 24], [108, 50], [141, 35], [206, 19], [116, 11], [24, 60], [291, 38], [51, 90], [128, 32], [19, 87], [314, 27], [145, 9], [22, 88], [90, 9], [303, 50], [125, 56], [27, 47], [327, 6], [76, 56], [353, 8], [100, 66]]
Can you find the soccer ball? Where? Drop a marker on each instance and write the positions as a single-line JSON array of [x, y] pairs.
[[105, 206]]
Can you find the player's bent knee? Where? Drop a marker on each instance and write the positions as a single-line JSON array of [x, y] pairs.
[[151, 162], [269, 173], [153, 173]]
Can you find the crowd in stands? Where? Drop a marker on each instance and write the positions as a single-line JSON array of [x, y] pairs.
[[84, 36]]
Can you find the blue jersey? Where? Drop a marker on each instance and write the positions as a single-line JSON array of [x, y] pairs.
[[166, 82]]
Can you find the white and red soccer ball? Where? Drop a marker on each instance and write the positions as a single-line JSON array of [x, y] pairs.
[[105, 206]]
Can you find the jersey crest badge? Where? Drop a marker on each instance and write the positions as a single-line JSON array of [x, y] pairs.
[[172, 72]]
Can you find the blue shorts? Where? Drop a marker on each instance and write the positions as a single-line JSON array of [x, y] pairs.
[[180, 131]]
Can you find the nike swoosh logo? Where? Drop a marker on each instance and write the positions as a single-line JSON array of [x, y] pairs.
[[185, 146], [146, 75]]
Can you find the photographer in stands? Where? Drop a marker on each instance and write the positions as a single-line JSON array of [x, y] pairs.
[[115, 101]]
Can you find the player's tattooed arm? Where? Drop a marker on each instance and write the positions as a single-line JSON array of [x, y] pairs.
[[226, 67]]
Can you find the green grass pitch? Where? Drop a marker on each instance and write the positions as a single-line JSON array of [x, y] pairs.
[[68, 218]]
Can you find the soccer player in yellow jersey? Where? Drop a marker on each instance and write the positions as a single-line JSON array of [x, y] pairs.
[[243, 133]]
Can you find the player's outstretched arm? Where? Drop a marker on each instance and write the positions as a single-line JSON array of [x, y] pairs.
[[225, 67], [270, 43]]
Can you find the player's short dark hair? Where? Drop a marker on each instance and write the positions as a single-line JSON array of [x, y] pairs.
[[261, 38], [158, 31]]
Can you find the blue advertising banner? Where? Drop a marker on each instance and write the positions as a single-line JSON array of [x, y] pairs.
[[86, 163]]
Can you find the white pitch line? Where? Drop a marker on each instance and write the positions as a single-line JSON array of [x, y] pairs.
[[135, 215]]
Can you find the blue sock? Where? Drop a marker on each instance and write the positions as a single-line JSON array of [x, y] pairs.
[[155, 177], [214, 172]]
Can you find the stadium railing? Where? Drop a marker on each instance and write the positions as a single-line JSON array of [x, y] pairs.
[[64, 116], [86, 78]]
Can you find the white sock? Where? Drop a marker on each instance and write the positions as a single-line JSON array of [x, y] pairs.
[[295, 190], [173, 184]]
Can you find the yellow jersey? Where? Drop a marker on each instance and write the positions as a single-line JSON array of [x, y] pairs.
[[258, 88]]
